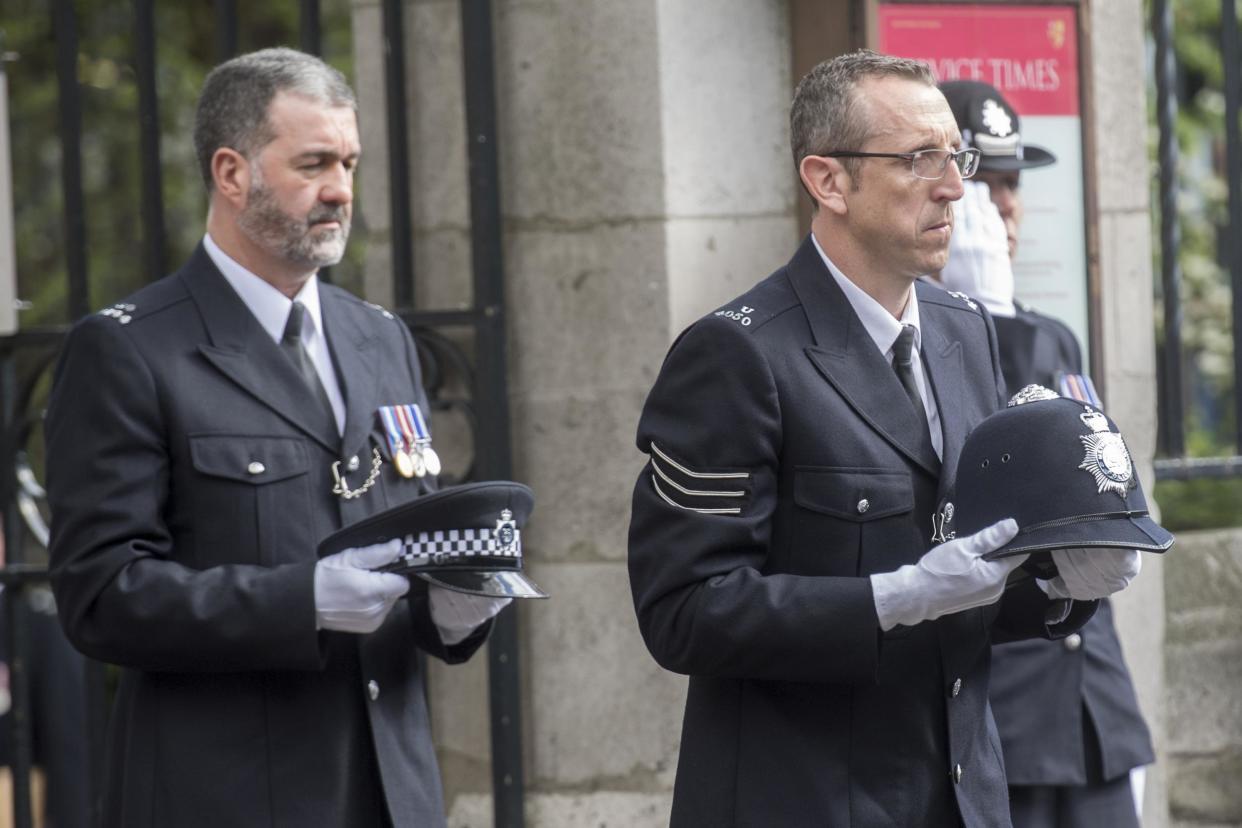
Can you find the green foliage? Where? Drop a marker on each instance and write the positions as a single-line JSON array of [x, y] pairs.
[[1198, 504], [1208, 347]]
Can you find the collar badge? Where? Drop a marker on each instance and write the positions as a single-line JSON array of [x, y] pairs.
[[957, 294]]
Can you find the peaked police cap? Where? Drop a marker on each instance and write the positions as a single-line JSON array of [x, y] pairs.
[[989, 124], [465, 538]]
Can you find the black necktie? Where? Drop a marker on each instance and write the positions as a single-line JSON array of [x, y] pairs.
[[291, 344], [903, 364]]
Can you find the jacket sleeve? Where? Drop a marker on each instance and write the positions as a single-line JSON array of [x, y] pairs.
[[701, 528], [123, 593], [1026, 612]]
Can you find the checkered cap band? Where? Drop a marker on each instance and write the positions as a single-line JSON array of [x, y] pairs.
[[442, 545]]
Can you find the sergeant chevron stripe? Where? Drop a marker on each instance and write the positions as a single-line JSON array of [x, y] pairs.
[[713, 493]]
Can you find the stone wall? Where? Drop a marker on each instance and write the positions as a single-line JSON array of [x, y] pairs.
[[1203, 654]]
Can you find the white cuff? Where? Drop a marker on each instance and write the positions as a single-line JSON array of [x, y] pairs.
[[457, 614]]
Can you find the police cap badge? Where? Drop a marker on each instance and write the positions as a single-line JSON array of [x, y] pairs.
[[989, 124]]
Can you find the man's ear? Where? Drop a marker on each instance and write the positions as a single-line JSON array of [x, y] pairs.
[[230, 172], [827, 182]]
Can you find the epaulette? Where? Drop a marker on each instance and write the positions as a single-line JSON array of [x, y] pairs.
[[382, 311], [758, 306], [970, 303], [122, 312], [741, 313]]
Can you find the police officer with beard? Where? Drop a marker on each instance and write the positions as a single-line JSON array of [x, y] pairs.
[[203, 435]]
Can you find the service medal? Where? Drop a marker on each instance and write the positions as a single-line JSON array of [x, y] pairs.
[[433, 461], [405, 465], [396, 441], [422, 437]]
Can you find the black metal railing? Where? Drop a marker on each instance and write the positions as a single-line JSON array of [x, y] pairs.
[[481, 372], [1174, 464]]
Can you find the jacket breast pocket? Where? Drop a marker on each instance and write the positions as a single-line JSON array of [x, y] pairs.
[[845, 515], [252, 500]]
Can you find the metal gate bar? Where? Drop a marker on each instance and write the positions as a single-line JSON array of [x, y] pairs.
[[1231, 55], [1175, 465], [149, 141], [401, 223], [70, 103], [492, 392]]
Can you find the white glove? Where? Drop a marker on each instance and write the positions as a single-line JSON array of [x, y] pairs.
[[950, 578], [458, 614], [979, 252], [1087, 574], [351, 598]]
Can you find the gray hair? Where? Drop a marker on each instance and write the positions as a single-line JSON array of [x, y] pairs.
[[826, 114], [232, 109]]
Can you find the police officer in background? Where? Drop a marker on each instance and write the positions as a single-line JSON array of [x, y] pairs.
[[1066, 710], [781, 549], [203, 436]]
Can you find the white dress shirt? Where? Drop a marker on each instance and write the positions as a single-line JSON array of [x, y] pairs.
[[884, 330]]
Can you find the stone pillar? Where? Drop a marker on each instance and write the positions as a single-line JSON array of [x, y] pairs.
[[645, 180], [1204, 657], [1120, 178]]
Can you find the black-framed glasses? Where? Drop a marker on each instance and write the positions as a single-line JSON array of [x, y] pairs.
[[928, 164]]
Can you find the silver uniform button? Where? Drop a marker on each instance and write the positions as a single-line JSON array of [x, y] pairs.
[[863, 506], [957, 774], [373, 689], [256, 467], [957, 687], [1073, 642], [352, 465]]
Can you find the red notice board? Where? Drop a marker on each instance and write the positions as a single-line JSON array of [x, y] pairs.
[[1030, 53]]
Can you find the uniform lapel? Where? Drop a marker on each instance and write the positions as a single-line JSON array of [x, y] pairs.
[[242, 351], [352, 344], [848, 358], [942, 357]]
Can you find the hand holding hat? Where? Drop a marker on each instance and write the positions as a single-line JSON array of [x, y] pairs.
[[349, 597], [1088, 574], [458, 614], [466, 538], [979, 252], [951, 577]]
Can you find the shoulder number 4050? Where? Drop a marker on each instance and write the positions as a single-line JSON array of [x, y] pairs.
[[739, 316]]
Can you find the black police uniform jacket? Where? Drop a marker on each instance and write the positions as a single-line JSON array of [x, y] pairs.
[[783, 471], [189, 475], [1042, 691], [1035, 348]]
